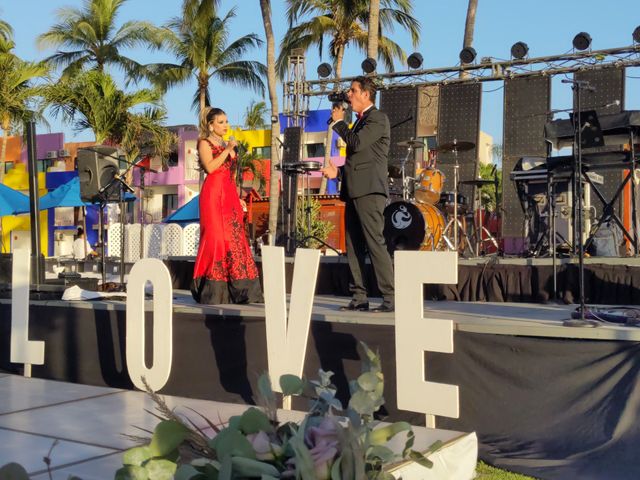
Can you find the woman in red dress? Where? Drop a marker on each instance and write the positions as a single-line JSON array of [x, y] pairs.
[[224, 271]]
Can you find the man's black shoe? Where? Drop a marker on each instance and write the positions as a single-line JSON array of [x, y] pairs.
[[355, 307], [384, 308]]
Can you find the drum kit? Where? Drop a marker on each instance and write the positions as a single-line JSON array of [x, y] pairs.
[[429, 218]]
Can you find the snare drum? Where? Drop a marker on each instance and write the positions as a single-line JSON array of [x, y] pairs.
[[412, 226], [429, 185], [446, 202]]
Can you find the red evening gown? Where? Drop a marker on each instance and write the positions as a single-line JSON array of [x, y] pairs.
[[224, 271]]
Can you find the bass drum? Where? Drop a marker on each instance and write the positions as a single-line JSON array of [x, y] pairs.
[[412, 226]]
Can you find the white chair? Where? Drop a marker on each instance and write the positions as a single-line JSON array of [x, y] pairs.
[[132, 243], [153, 240], [172, 240], [191, 239], [114, 239]]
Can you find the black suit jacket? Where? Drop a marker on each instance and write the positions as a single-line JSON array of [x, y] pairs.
[[366, 166]]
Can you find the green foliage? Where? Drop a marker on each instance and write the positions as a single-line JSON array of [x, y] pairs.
[[255, 445], [254, 115], [309, 224], [344, 23], [92, 100], [199, 40], [88, 37], [250, 162]]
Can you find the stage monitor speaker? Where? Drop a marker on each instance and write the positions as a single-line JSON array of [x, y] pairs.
[[97, 169], [287, 211]]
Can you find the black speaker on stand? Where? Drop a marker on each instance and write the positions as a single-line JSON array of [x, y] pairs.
[[99, 175]]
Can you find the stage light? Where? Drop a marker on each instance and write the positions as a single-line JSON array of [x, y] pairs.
[[582, 41], [369, 65], [519, 50], [636, 34], [324, 70], [467, 55], [415, 60]]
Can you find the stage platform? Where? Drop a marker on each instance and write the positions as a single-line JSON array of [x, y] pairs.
[[90, 424], [545, 399], [487, 279]]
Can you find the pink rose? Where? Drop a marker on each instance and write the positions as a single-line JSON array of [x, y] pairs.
[[323, 442], [265, 450]]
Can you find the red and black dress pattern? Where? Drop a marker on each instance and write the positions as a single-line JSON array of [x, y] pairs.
[[224, 271]]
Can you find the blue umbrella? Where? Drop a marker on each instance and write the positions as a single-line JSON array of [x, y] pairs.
[[12, 202], [189, 212], [68, 195]]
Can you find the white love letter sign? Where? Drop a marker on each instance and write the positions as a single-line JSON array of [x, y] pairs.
[[23, 350], [415, 334], [287, 340], [154, 271]]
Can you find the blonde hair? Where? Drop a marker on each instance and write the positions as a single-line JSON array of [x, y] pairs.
[[207, 114]]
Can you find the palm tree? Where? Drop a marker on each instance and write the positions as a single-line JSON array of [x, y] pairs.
[[6, 37], [374, 25], [91, 100], [254, 115], [249, 162], [345, 22], [469, 27], [199, 39], [265, 8], [93, 41], [17, 96]]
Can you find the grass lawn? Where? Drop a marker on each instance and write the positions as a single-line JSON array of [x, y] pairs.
[[487, 472]]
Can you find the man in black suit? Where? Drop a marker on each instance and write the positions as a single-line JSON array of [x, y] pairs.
[[365, 190]]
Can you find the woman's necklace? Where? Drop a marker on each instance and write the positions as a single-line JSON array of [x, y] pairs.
[[217, 139]]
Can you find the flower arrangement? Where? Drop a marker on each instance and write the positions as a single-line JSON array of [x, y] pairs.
[[329, 443]]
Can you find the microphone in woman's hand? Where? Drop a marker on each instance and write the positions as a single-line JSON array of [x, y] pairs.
[[233, 139]]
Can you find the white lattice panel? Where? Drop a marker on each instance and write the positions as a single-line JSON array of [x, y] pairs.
[[153, 240], [191, 239], [114, 239], [172, 240], [132, 243]]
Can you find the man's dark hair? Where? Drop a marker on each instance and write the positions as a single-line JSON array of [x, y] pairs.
[[80, 231], [368, 85]]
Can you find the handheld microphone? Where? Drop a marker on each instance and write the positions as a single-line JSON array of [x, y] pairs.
[[233, 139]]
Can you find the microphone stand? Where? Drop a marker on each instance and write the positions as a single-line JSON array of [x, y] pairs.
[[578, 86]]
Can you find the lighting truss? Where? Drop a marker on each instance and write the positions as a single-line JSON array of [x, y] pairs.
[[483, 72]]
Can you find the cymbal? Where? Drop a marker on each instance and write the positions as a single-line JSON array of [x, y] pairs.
[[455, 147], [411, 143], [478, 182]]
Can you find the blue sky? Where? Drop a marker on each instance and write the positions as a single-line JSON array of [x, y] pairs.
[[546, 26]]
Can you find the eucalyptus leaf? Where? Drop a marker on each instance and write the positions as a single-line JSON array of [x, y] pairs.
[[291, 385], [167, 436], [232, 443], [137, 455], [160, 469], [247, 467], [325, 377], [264, 387], [188, 472], [420, 459], [382, 435], [383, 453], [13, 471], [363, 403], [130, 472], [369, 381], [254, 420]]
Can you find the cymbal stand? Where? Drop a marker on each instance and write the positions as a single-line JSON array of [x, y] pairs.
[[405, 179]]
